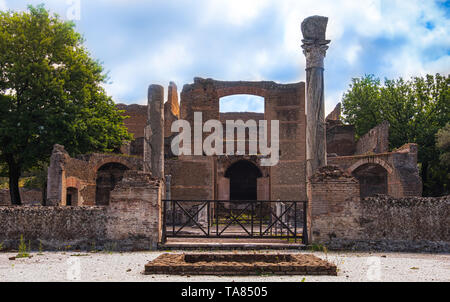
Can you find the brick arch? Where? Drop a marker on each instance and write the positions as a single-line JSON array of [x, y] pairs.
[[114, 160], [225, 162], [235, 90], [371, 160]]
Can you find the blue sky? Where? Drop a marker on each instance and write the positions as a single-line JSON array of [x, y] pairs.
[[144, 42]]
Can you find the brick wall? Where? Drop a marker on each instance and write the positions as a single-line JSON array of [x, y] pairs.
[[341, 220], [333, 211], [375, 141], [131, 222], [53, 227], [28, 196]]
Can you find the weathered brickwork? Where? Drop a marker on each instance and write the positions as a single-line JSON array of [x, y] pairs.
[[81, 174], [134, 213], [341, 220], [28, 196], [333, 210], [376, 141], [53, 228], [283, 102], [399, 166], [131, 222]]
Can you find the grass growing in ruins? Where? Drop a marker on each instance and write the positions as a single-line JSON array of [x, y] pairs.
[[1, 246], [319, 248], [40, 253], [24, 250]]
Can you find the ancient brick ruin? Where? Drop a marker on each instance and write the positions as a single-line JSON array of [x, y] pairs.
[[320, 162]]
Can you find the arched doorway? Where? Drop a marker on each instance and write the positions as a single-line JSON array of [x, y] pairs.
[[72, 197], [108, 176], [243, 177], [372, 179]]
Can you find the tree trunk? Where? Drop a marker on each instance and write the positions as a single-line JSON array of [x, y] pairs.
[[14, 176]]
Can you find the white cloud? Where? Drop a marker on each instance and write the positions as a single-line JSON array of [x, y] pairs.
[[156, 65], [235, 12], [3, 5], [222, 39]]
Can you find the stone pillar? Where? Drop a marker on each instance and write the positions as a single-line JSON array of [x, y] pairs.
[[315, 46], [154, 133], [334, 206], [134, 217], [56, 177]]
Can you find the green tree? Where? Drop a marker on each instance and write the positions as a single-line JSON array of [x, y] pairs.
[[50, 92], [416, 110], [443, 143]]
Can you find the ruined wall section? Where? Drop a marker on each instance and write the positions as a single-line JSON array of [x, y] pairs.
[[134, 213], [80, 173], [401, 167], [339, 219], [340, 139], [137, 118], [192, 177], [28, 197], [171, 109], [135, 123], [333, 205], [375, 141], [54, 228], [131, 222], [285, 103]]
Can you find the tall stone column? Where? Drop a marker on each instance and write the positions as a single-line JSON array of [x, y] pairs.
[[314, 47], [154, 133]]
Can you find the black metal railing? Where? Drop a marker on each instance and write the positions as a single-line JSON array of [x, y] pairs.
[[235, 219]]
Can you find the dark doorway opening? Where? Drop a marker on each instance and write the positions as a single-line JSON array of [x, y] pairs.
[[243, 177], [72, 197], [372, 180], [107, 178]]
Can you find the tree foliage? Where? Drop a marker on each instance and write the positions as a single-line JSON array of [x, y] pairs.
[[443, 143], [416, 109], [50, 92]]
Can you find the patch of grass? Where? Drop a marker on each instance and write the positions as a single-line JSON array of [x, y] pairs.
[[24, 251], [110, 248], [80, 255], [319, 248], [1, 246], [93, 248], [40, 253]]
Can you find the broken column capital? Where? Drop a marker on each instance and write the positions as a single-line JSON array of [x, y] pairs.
[[315, 53], [315, 45]]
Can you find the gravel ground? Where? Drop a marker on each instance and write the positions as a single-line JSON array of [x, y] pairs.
[[92, 267]]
